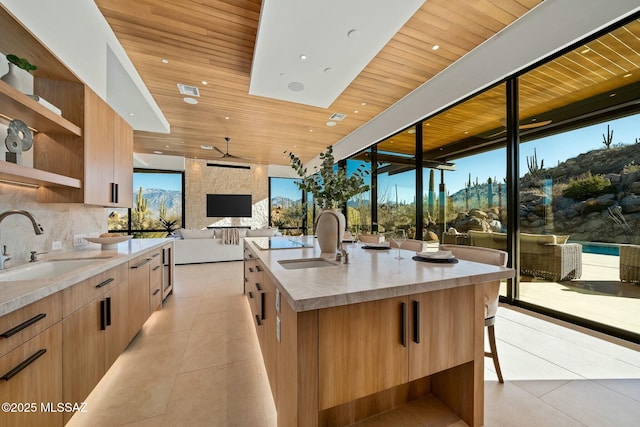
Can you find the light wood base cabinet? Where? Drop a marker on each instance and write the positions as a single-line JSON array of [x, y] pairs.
[[138, 293], [32, 377]]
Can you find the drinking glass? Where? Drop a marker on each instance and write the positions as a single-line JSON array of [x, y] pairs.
[[398, 240]]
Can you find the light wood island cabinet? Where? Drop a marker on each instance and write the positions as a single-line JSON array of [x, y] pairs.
[[139, 300], [352, 341]]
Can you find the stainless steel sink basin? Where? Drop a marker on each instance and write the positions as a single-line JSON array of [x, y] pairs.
[[295, 264], [46, 269]]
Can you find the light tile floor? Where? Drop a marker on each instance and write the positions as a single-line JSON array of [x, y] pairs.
[[197, 363]]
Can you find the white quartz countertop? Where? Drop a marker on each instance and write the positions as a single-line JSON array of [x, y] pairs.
[[370, 275], [19, 293]]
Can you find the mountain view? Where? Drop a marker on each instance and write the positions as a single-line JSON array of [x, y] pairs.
[[154, 196]]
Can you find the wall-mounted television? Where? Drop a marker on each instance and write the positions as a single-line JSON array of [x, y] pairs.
[[229, 205]]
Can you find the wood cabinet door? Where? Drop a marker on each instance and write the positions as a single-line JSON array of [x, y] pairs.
[[117, 332], [441, 330], [39, 382], [362, 350], [98, 151], [123, 162], [138, 293], [83, 351]]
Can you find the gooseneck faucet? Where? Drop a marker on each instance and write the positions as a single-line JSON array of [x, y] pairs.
[[37, 228]]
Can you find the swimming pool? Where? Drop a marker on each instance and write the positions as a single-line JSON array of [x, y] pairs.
[[599, 248]]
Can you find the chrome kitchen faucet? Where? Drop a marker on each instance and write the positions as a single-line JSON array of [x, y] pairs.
[[37, 228]]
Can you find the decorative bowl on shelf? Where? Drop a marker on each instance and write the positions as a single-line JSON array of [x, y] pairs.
[[108, 242]]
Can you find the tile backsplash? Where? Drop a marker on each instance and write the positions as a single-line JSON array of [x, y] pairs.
[[60, 222]]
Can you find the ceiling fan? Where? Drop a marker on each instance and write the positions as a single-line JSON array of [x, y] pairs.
[[227, 155], [534, 124]]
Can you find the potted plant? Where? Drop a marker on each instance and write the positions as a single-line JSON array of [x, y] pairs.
[[330, 188], [19, 75]]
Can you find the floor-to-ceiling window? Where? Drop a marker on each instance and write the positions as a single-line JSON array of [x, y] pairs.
[[287, 210], [158, 200], [396, 185], [579, 157]]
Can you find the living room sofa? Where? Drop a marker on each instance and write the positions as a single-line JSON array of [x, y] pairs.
[[213, 244], [547, 256]]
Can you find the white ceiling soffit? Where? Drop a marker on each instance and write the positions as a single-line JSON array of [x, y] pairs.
[[338, 38]]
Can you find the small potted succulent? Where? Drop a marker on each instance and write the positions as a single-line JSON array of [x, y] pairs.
[[19, 75]]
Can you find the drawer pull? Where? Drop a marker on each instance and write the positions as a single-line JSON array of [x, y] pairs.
[[156, 292], [403, 328], [250, 294], [23, 325], [416, 322], [258, 322], [12, 373], [156, 267], [140, 264], [108, 309], [262, 305], [259, 268], [103, 315], [250, 270], [105, 283], [258, 287]]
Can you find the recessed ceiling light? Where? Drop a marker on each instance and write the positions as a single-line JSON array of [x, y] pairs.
[[627, 75], [165, 61], [467, 132], [181, 142], [189, 100], [353, 34], [585, 51], [310, 130], [206, 147], [427, 124], [612, 95], [303, 56], [364, 103], [295, 87], [166, 146], [356, 111], [131, 114], [330, 123], [435, 47], [226, 118], [157, 152], [204, 82]]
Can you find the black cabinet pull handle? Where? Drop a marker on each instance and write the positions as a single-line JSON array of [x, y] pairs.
[[114, 193], [12, 373], [403, 313], [105, 283], [140, 264], [156, 267], [250, 270], [262, 305], [246, 279], [259, 268], [258, 322], [416, 322], [258, 287], [156, 292], [155, 255], [250, 294], [103, 320], [108, 310], [23, 325]]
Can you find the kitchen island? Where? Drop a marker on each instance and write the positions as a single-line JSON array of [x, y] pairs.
[[343, 342]]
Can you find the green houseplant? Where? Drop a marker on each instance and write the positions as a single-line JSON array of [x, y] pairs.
[[330, 187], [19, 75]]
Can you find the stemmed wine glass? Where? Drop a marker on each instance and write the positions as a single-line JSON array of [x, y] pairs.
[[398, 240]]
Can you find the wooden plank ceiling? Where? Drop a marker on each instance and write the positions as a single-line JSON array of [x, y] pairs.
[[213, 41]]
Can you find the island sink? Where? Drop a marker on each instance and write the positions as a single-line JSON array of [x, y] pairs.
[[296, 264]]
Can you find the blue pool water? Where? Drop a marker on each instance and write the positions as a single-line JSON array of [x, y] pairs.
[[600, 248]]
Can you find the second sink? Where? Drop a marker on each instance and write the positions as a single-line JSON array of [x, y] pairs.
[[295, 264]]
